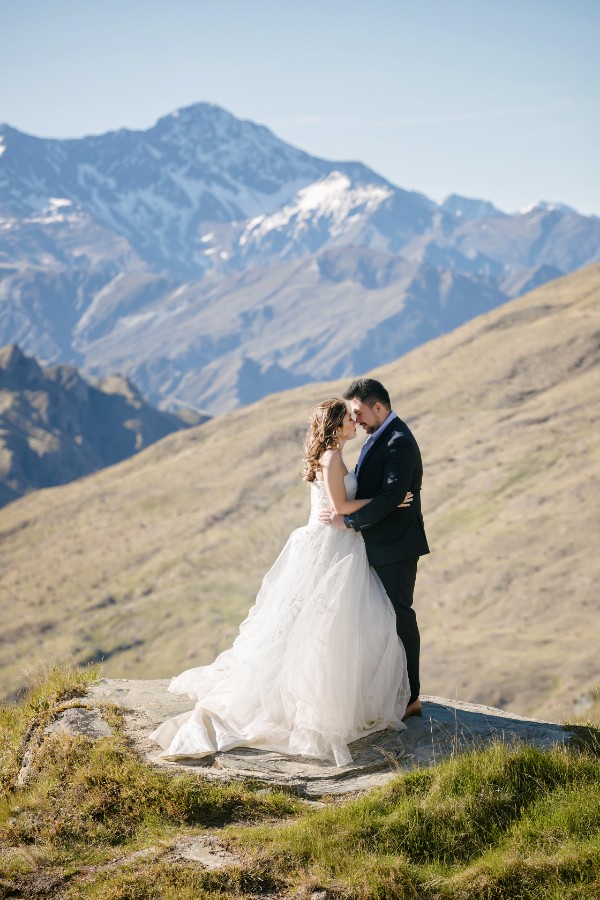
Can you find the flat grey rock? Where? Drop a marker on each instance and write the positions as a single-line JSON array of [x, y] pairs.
[[78, 720], [149, 697], [446, 727], [75, 720], [206, 850]]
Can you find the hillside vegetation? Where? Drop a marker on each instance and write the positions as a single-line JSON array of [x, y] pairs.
[[93, 821], [151, 564]]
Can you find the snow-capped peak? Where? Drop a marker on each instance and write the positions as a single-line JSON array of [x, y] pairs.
[[544, 206], [197, 170], [333, 198]]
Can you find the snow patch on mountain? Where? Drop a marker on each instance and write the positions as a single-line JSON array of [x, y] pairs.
[[333, 198], [544, 206]]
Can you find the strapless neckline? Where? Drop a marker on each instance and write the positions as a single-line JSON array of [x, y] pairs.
[[351, 473]]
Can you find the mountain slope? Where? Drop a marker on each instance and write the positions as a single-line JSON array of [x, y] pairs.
[[55, 427], [156, 560], [225, 344]]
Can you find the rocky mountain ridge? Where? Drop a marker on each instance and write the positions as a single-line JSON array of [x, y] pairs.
[[55, 426], [212, 232], [157, 187]]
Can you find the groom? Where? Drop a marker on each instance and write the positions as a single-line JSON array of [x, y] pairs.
[[388, 467]]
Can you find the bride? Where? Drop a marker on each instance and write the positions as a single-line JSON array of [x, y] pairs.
[[317, 663]]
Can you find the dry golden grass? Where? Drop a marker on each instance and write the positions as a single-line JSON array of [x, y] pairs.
[[154, 562]]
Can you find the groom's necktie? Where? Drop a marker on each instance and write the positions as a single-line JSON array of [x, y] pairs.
[[364, 450]]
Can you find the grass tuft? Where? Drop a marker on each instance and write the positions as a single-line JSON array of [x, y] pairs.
[[86, 800], [47, 689], [168, 879], [152, 882], [100, 793]]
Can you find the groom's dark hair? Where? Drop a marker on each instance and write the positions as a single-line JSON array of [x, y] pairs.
[[368, 391]]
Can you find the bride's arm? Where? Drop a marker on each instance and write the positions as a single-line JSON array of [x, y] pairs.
[[333, 476]]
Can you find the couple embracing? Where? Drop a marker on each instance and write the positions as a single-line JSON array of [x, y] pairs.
[[329, 653]]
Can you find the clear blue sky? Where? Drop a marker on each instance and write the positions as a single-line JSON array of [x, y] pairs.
[[490, 99]]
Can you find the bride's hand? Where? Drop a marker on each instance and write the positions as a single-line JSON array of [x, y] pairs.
[[407, 501], [326, 515], [330, 517]]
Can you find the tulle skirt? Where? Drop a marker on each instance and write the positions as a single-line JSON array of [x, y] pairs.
[[316, 665]]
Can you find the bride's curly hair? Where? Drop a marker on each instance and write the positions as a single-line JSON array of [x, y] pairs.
[[324, 424]]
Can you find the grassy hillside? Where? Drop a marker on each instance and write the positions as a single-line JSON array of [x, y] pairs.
[[153, 562], [94, 821]]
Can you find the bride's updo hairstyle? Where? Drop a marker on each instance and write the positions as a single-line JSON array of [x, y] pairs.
[[324, 424]]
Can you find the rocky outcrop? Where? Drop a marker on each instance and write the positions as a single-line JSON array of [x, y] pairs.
[[55, 426], [446, 728]]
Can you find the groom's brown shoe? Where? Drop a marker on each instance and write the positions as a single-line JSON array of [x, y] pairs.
[[413, 709]]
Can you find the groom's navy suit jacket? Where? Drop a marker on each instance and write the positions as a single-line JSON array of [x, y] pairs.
[[391, 467]]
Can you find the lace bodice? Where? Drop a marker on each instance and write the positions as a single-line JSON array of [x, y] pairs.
[[319, 498]]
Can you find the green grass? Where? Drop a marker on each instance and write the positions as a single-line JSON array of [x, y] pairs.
[[94, 821], [501, 822], [89, 801], [166, 880], [47, 690]]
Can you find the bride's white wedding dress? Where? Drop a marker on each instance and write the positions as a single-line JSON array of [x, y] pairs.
[[316, 664]]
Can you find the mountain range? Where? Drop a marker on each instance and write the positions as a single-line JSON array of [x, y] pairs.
[[55, 426], [213, 264], [150, 564]]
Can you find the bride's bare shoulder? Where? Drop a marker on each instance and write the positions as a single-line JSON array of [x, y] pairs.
[[331, 459]]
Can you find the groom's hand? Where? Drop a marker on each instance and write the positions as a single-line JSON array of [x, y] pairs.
[[330, 517]]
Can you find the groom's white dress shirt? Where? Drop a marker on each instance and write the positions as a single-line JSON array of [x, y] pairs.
[[371, 440]]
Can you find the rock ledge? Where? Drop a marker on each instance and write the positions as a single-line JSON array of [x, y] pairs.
[[447, 727]]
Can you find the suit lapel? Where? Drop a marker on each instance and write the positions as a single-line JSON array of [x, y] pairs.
[[377, 443]]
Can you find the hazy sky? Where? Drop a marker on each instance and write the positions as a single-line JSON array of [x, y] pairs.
[[489, 99]]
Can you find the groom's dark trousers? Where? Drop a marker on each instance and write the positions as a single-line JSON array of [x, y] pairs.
[[394, 538], [398, 580]]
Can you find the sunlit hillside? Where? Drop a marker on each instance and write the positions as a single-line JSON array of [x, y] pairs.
[[151, 564]]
